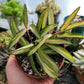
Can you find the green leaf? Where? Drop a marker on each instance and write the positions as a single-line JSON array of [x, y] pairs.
[[47, 29], [15, 30], [21, 50], [13, 27], [9, 33], [40, 20], [49, 51], [48, 70], [25, 17], [48, 61], [16, 38], [34, 67], [62, 52], [57, 41], [44, 22], [70, 35], [34, 30], [74, 25], [51, 16], [69, 19], [39, 45]]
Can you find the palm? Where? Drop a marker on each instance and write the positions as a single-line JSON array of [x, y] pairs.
[[15, 74]]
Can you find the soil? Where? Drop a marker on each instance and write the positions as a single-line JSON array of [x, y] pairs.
[[26, 65]]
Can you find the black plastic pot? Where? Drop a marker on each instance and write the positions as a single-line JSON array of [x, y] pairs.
[[2, 29]]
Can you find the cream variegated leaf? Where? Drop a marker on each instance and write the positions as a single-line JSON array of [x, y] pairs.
[[69, 19]]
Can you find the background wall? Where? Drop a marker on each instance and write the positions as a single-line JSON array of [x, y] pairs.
[[66, 6]]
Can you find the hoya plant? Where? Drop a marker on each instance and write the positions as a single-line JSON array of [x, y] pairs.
[[44, 43]]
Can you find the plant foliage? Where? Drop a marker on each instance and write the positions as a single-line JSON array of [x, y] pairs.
[[45, 40], [12, 9]]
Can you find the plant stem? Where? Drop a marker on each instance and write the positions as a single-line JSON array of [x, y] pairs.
[[56, 32], [29, 36]]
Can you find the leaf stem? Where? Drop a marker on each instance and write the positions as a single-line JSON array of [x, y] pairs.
[[29, 36], [56, 32]]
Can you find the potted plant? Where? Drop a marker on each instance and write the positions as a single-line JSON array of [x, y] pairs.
[[4, 42], [52, 13], [39, 45], [79, 64], [13, 9]]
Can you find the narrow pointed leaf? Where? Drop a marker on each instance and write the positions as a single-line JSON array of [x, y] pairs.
[[25, 17], [16, 38], [62, 52], [70, 35], [44, 22], [57, 41], [48, 70], [34, 30], [21, 50], [50, 16], [38, 59], [49, 51], [39, 45], [13, 27], [48, 61], [74, 25], [69, 19], [34, 67], [38, 40], [15, 30], [47, 29], [40, 20]]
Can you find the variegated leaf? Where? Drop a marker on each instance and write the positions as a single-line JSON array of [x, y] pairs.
[[49, 51], [69, 19], [62, 52], [74, 25], [25, 17], [51, 16], [39, 45], [16, 38], [48, 61], [48, 70], [45, 18], [15, 30], [40, 20], [57, 41], [34, 30], [70, 35], [34, 67], [21, 50], [47, 29]]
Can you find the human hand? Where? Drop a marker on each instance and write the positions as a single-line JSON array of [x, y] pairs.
[[15, 74]]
